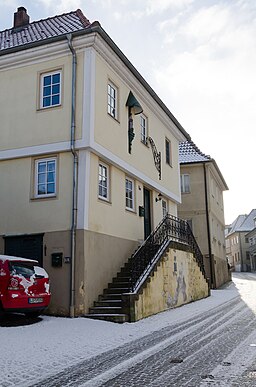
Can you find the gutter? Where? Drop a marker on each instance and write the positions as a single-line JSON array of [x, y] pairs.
[[74, 183], [208, 228]]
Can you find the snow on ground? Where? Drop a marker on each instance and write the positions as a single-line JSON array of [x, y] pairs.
[[55, 343]]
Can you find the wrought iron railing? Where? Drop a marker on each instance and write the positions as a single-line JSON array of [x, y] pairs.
[[169, 229]]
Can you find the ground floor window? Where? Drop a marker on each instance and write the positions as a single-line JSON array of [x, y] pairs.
[[45, 177], [129, 194]]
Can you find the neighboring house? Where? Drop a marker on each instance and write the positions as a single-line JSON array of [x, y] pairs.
[[202, 186], [89, 162], [238, 239], [252, 246]]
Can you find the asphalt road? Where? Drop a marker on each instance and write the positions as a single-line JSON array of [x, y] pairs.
[[215, 348]]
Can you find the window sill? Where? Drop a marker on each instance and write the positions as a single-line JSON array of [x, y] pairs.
[[43, 198], [145, 143], [114, 118], [103, 200], [42, 109], [130, 210]]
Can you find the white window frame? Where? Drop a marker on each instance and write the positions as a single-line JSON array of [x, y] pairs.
[[105, 167], [143, 129], [130, 199], [46, 182], [185, 183], [112, 93], [164, 207], [42, 77]]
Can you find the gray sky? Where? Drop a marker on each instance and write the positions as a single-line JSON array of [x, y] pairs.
[[200, 58]]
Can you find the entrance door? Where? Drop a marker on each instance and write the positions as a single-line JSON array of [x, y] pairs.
[[25, 246], [147, 212]]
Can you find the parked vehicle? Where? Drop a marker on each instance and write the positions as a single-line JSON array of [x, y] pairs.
[[24, 286]]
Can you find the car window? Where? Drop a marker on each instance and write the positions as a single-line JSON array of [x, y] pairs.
[[20, 268]]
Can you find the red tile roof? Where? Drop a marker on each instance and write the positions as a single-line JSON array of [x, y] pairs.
[[41, 30]]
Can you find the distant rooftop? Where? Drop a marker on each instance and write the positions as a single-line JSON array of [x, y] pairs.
[[243, 223], [190, 153]]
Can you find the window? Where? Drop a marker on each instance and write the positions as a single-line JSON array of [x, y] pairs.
[[45, 177], [112, 100], [50, 89], [185, 183], [164, 207], [168, 151], [129, 194], [143, 129], [103, 182]]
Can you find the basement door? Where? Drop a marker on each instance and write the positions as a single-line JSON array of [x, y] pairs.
[[25, 246], [147, 212]]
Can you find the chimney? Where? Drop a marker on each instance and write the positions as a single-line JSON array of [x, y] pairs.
[[21, 18]]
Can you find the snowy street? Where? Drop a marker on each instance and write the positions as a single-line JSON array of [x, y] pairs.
[[211, 342]]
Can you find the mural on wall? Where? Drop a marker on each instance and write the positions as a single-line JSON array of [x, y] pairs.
[[181, 290]]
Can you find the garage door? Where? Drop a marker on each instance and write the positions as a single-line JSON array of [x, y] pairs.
[[26, 246]]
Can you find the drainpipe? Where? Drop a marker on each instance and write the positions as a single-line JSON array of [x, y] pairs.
[[208, 227], [241, 252], [75, 169]]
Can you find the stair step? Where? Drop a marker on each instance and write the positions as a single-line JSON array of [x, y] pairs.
[[107, 302], [105, 310], [121, 278], [116, 291], [117, 318], [123, 273], [115, 296], [121, 284]]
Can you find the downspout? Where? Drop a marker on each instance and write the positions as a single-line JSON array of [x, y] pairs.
[[74, 185], [241, 253], [208, 226]]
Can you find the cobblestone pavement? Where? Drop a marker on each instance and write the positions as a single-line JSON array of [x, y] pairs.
[[185, 354]]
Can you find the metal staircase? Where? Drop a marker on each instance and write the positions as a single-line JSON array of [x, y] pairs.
[[110, 305]]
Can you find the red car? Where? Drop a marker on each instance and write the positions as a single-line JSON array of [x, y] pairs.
[[24, 286]]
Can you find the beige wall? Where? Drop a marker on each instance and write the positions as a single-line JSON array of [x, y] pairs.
[[113, 134], [111, 217], [20, 213], [193, 207], [97, 263], [29, 125], [58, 242], [169, 288]]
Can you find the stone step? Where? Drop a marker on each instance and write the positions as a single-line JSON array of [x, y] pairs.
[[116, 318], [115, 296], [121, 284], [104, 303], [123, 273], [121, 278], [116, 290], [105, 310]]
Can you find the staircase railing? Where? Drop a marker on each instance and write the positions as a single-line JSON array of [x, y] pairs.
[[169, 229]]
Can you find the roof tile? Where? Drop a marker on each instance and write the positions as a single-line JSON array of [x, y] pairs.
[[41, 30], [190, 153]]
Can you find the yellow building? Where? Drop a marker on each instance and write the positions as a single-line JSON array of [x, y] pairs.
[[202, 186], [89, 156]]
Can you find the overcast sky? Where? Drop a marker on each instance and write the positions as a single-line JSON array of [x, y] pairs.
[[200, 58]]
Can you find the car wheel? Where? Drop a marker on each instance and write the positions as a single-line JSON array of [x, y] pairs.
[[1, 311]]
